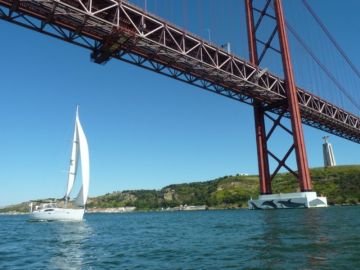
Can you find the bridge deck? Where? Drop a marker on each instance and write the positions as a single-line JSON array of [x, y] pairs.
[[117, 29]]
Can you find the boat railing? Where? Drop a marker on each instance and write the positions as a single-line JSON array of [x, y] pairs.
[[45, 206]]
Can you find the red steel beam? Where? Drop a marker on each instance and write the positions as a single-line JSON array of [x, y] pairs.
[[251, 33], [262, 153], [291, 91], [260, 132]]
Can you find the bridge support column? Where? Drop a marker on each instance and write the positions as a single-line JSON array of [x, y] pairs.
[[295, 116], [263, 160], [260, 132]]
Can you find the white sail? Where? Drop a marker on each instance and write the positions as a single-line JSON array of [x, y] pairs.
[[85, 166], [73, 161]]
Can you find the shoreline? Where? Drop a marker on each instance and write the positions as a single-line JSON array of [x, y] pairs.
[[116, 210]]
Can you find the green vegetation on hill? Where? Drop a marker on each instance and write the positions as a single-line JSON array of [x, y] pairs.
[[341, 185], [228, 191], [18, 208], [23, 207]]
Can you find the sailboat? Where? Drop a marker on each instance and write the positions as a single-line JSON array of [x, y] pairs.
[[70, 210]]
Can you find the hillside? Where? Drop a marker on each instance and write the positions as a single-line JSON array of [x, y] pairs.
[[340, 184], [221, 192]]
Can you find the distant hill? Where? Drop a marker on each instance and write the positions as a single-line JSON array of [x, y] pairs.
[[22, 207], [18, 208], [227, 191], [341, 185]]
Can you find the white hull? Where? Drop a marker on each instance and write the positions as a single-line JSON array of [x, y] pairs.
[[52, 214], [288, 200]]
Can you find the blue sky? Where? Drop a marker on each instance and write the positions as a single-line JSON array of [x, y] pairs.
[[144, 130]]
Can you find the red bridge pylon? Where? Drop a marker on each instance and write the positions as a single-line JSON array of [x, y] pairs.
[[290, 107]]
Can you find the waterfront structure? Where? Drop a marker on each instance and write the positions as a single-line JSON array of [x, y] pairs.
[[288, 200]]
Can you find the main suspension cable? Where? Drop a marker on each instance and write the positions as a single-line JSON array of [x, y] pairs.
[[331, 38], [323, 67]]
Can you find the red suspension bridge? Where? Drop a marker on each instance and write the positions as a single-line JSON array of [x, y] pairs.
[[118, 29]]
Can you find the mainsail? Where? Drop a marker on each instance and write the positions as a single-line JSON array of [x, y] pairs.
[[73, 160], [79, 148]]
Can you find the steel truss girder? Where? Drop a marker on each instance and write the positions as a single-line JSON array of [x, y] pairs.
[[135, 33]]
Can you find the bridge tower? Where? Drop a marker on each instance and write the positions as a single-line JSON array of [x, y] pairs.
[[290, 107]]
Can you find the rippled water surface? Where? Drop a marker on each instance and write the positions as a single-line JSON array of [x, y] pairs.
[[285, 239]]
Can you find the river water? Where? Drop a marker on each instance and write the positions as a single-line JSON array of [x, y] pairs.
[[238, 239]]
